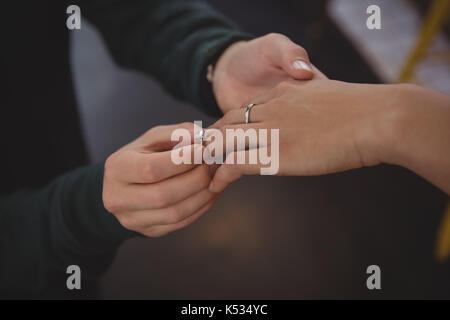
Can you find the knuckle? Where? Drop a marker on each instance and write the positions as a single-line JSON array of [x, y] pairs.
[[282, 87], [151, 131], [186, 125], [273, 36], [111, 202], [158, 199], [148, 172], [175, 215], [127, 222], [109, 165]]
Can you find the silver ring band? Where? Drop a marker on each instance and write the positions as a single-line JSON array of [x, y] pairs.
[[247, 112]]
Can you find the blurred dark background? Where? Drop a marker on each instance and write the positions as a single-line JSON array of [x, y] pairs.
[[268, 237]]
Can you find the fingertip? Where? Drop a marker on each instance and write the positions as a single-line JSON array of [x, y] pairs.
[[212, 187], [215, 187], [301, 70]]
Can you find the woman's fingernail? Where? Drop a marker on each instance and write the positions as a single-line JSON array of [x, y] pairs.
[[301, 65], [211, 186]]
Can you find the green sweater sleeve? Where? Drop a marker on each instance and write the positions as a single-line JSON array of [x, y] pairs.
[[172, 40], [44, 231]]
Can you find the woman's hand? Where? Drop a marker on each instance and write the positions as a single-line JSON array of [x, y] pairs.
[[150, 194], [248, 69], [329, 126]]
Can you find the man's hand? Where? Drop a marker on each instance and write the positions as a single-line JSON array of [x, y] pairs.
[[148, 193], [248, 69]]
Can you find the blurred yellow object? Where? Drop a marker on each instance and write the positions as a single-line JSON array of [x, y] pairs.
[[436, 17], [443, 238]]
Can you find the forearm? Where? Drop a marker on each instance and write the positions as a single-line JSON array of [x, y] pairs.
[[420, 135], [173, 40], [45, 231]]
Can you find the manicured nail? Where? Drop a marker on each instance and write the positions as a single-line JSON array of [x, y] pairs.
[[301, 65], [211, 186]]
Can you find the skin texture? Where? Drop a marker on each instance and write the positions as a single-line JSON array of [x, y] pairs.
[[148, 193], [330, 126], [142, 187], [248, 69]]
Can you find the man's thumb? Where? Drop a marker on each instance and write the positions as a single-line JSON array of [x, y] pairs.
[[293, 59]]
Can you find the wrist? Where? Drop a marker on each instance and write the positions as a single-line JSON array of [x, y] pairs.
[[379, 129], [396, 122], [218, 73]]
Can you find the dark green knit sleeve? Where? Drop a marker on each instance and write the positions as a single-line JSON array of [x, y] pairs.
[[44, 231], [172, 40]]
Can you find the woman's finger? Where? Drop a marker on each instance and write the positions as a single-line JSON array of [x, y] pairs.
[[233, 170], [237, 116], [235, 138]]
